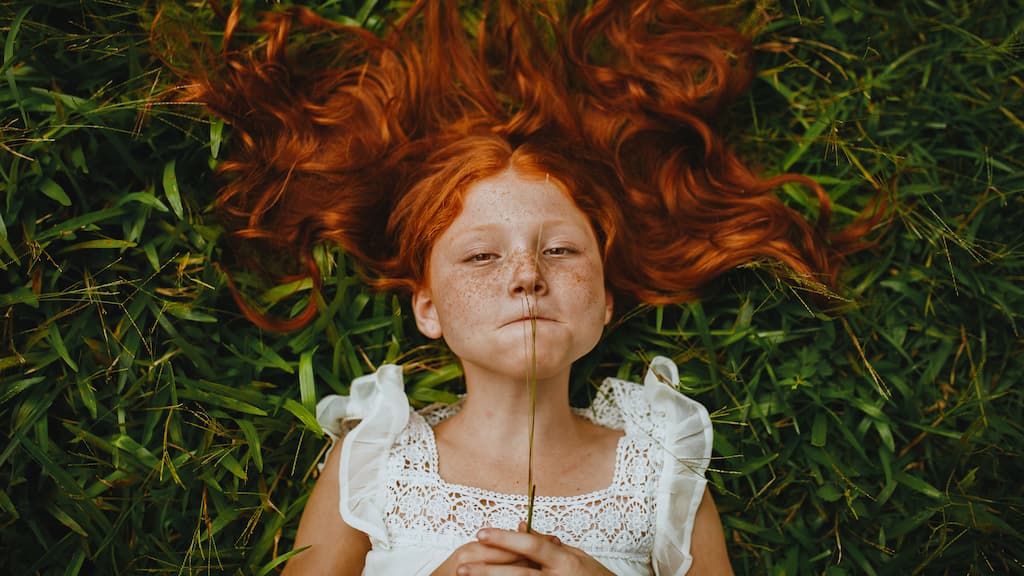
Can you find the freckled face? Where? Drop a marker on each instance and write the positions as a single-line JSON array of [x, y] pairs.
[[520, 248]]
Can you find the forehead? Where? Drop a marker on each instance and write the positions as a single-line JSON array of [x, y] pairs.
[[510, 197]]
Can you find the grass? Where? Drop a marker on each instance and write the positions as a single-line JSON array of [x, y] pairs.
[[148, 428], [531, 384]]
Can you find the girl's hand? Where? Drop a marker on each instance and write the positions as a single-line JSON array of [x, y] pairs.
[[478, 554], [547, 555]]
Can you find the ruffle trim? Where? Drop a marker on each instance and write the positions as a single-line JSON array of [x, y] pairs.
[[687, 445], [378, 402]]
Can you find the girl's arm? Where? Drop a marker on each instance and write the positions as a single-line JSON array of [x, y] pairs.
[[336, 548], [707, 543]]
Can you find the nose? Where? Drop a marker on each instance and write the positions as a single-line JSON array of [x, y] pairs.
[[527, 276]]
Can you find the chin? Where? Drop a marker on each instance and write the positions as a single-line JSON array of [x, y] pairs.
[[547, 365]]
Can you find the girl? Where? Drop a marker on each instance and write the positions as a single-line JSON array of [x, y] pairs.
[[515, 286], [520, 183]]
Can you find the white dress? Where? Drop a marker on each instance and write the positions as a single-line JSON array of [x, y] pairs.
[[639, 525]]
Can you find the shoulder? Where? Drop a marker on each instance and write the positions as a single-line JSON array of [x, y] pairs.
[[438, 412], [333, 546]]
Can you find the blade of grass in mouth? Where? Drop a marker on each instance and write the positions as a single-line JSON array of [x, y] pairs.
[[531, 382]]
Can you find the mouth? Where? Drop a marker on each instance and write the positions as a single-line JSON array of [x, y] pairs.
[[529, 319]]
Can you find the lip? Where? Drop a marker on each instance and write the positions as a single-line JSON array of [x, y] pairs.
[[528, 319]]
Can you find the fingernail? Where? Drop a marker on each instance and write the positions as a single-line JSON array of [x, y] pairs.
[[483, 535], [462, 571]]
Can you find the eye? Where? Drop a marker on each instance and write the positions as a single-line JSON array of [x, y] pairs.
[[559, 251], [482, 257]]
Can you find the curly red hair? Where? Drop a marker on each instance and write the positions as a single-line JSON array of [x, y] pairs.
[[371, 142]]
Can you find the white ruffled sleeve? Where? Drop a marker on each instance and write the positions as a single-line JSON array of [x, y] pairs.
[[378, 402], [687, 444]]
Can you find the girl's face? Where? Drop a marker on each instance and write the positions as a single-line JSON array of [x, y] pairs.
[[520, 248]]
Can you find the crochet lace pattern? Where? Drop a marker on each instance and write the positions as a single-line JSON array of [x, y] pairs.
[[613, 522]]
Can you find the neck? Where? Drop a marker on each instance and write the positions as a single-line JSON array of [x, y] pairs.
[[497, 409]]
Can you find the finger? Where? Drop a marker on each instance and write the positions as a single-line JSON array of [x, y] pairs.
[[481, 553], [496, 570], [540, 548], [554, 539]]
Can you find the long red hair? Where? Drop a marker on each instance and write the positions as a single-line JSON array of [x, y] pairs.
[[371, 142]]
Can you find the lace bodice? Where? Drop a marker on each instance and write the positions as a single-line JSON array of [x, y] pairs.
[[639, 525], [614, 522]]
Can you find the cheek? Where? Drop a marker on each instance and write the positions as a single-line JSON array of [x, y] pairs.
[[465, 300], [587, 284]]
